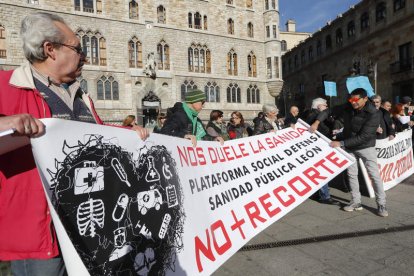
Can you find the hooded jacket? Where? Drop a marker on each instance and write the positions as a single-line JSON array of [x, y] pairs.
[[26, 229], [360, 127]]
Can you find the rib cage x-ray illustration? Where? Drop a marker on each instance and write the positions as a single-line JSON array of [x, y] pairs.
[[121, 214], [90, 214]]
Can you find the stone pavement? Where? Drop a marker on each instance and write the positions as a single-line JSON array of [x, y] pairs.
[[390, 253], [365, 253]]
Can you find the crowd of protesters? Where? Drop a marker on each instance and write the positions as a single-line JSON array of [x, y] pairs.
[[56, 60], [355, 126]]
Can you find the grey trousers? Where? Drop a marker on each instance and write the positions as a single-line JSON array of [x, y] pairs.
[[369, 158]]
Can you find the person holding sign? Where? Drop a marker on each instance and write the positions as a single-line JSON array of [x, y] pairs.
[[22, 124], [45, 87], [399, 120], [182, 119], [385, 128], [269, 122], [317, 119], [358, 137]]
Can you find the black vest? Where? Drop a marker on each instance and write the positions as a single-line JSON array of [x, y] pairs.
[[60, 110]]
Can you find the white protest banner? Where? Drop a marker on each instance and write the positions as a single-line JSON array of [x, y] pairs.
[[164, 207], [395, 161]]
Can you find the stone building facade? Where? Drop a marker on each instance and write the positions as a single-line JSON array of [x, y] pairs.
[[145, 54], [290, 37], [373, 38]]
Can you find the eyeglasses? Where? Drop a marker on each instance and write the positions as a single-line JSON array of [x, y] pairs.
[[77, 49], [354, 99]]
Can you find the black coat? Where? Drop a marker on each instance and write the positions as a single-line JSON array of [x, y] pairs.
[[398, 126], [290, 119], [386, 124], [360, 127], [322, 117], [178, 124], [263, 126]]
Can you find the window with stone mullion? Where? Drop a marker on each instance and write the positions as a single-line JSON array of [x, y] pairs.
[[212, 92], [133, 10], [196, 60], [190, 59], [94, 51], [187, 85], [197, 21], [251, 65], [231, 63], [3, 50], [86, 47], [161, 14], [135, 53], [233, 93], [398, 5], [102, 51], [202, 61], [253, 94], [208, 61], [190, 20], [107, 89]]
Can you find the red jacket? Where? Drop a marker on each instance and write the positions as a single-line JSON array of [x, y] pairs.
[[26, 229]]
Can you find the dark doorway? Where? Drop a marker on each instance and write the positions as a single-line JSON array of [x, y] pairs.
[[150, 117], [150, 107]]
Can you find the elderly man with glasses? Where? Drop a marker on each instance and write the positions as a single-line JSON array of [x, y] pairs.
[[361, 121], [45, 87]]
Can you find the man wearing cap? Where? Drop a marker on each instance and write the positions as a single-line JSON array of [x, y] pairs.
[[361, 121], [182, 119]]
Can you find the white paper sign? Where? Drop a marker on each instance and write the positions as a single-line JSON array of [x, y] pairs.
[[404, 119], [395, 161], [165, 207]]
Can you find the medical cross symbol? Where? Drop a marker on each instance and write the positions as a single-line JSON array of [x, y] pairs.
[[152, 174], [89, 180]]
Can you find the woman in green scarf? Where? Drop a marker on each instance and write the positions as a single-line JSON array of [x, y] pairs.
[[182, 119]]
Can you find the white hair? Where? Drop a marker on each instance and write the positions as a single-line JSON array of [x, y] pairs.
[[376, 97], [37, 28], [267, 108], [316, 102]]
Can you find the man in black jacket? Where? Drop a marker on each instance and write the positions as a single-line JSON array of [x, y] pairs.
[[361, 121], [385, 128], [292, 117]]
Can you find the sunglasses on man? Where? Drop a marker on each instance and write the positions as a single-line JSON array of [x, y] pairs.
[[354, 99]]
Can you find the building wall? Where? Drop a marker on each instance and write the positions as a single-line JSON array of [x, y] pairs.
[[373, 52], [117, 29], [293, 38]]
